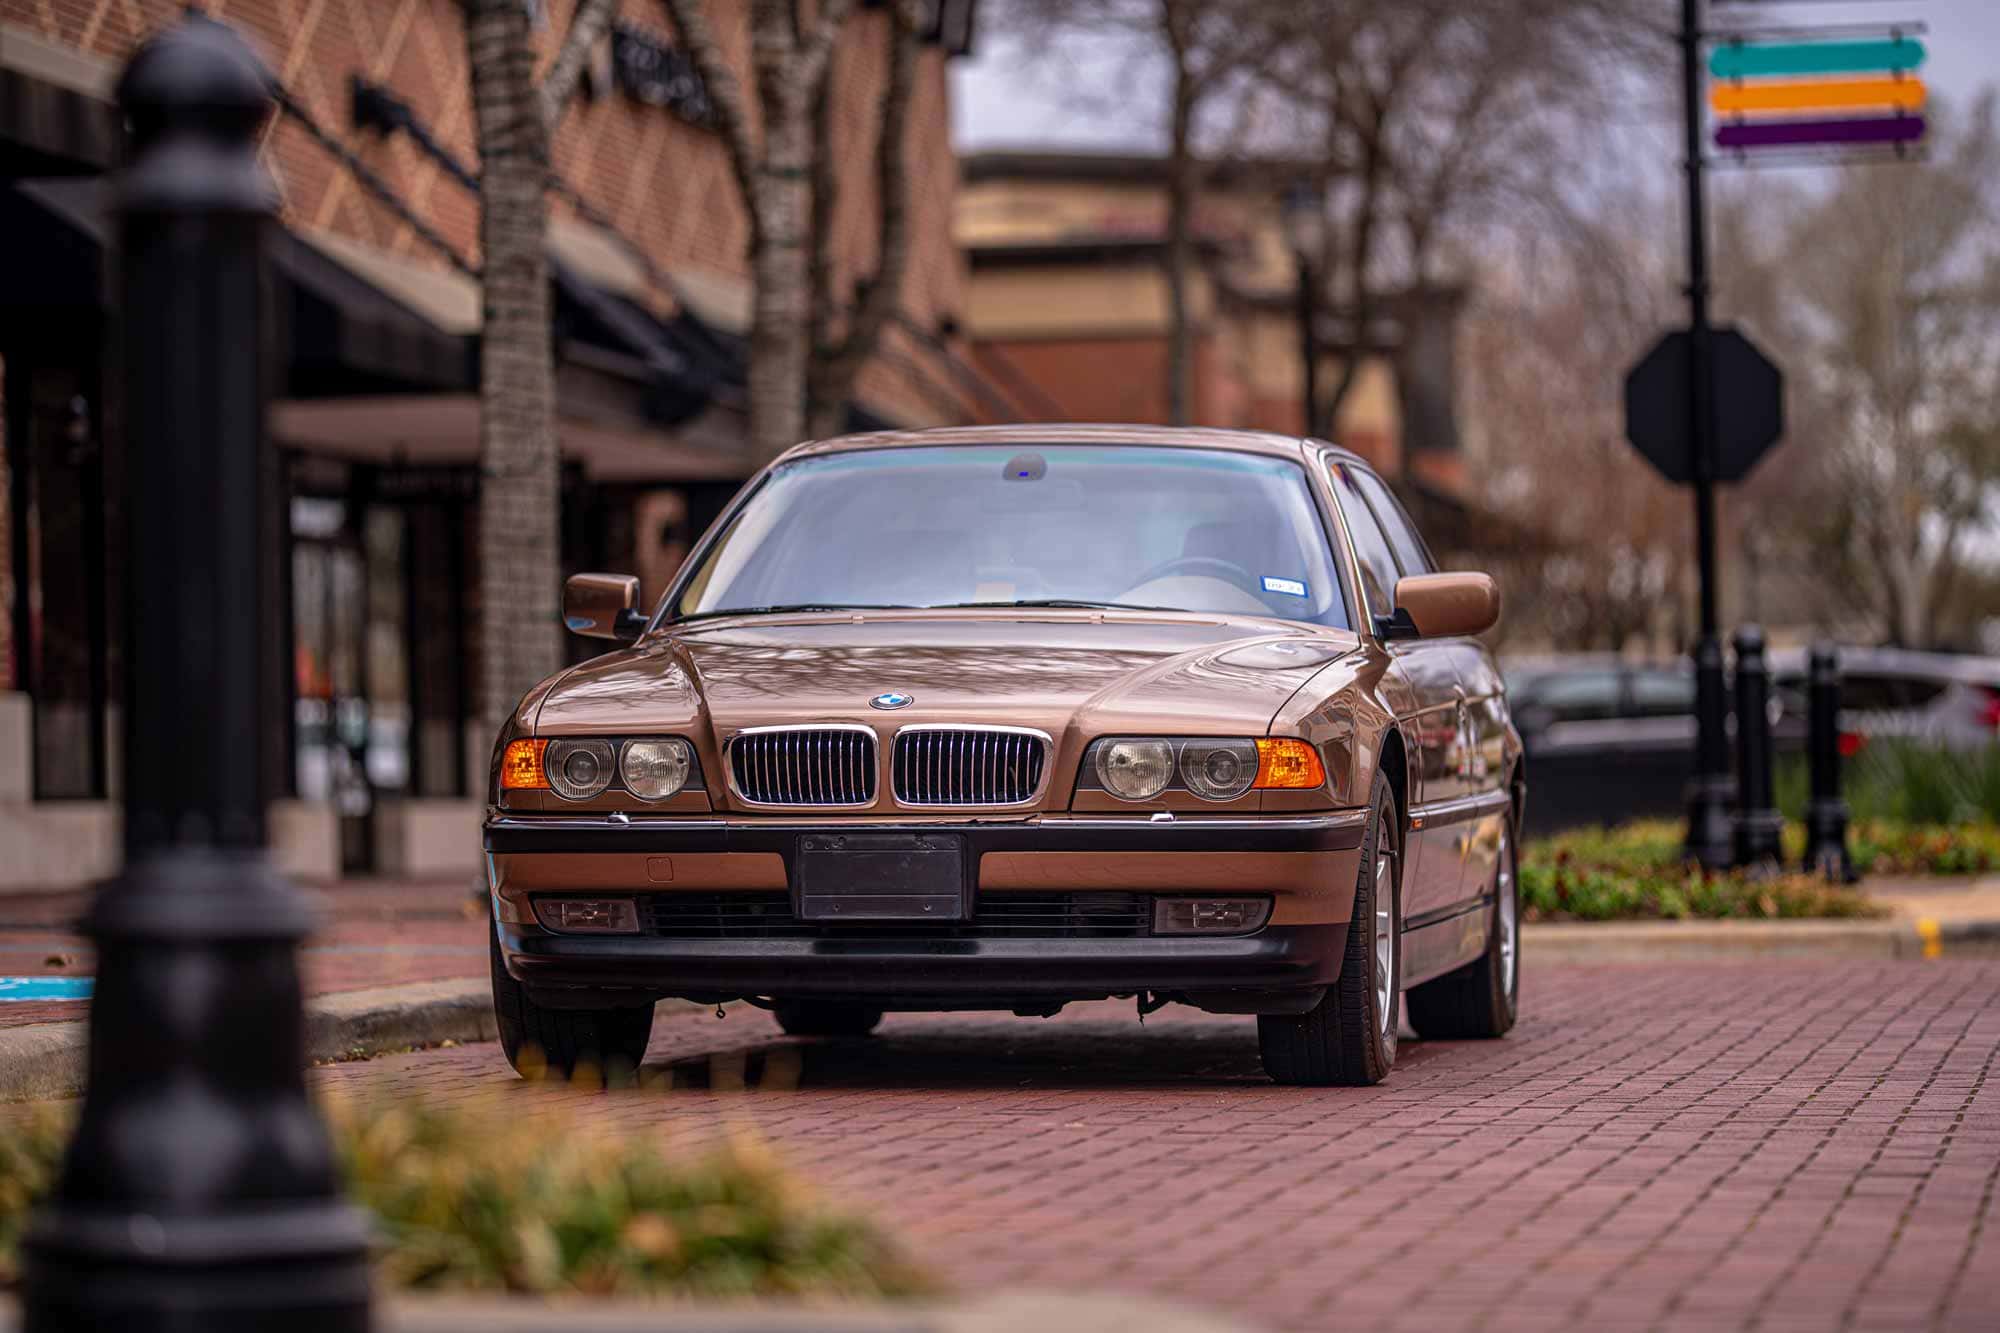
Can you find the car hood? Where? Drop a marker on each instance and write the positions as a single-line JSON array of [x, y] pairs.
[[1096, 672]]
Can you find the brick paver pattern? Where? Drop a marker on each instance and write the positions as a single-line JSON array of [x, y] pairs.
[[1772, 1145]]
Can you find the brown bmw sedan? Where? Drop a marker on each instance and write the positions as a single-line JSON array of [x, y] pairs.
[[1001, 718]]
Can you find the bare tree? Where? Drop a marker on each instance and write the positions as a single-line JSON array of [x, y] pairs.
[[1432, 116], [520, 537], [802, 351], [1215, 52], [1596, 551], [1899, 268]]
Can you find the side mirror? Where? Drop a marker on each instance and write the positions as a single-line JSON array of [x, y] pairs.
[[602, 606], [1441, 606]]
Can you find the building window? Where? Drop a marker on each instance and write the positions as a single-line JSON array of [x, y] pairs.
[[58, 523]]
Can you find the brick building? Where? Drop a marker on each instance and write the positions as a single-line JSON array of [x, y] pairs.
[[376, 417], [1067, 304]]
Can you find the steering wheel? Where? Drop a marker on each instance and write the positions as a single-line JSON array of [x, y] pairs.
[[1203, 566]]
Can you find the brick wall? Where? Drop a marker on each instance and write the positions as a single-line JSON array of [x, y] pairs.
[[665, 183]]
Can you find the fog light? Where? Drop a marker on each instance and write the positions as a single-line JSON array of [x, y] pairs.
[[589, 916], [1209, 916]]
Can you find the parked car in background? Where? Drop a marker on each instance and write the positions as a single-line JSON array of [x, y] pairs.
[[1006, 717], [1942, 698], [1607, 739]]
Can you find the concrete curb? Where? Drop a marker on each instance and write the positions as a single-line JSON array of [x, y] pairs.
[[1004, 1311], [996, 1312], [1677, 941], [46, 1060]]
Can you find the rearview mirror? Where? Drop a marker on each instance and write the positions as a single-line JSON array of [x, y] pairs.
[[602, 606], [1441, 606]]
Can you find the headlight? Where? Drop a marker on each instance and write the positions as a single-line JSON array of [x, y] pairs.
[[1214, 768], [579, 770], [1219, 770], [1135, 770], [655, 770]]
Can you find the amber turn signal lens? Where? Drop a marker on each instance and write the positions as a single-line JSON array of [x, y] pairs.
[[521, 766], [1283, 762]]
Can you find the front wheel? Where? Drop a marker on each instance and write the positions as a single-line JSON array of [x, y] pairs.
[[1482, 998], [605, 1044], [1349, 1037]]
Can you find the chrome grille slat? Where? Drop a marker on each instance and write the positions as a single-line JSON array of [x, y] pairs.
[[968, 766], [804, 766]]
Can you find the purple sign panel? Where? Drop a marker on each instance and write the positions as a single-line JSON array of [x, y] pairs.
[[1805, 133]]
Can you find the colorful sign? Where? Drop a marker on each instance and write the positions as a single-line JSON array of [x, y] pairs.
[[1818, 94]]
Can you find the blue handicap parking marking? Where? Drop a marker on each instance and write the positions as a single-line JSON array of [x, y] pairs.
[[15, 989]]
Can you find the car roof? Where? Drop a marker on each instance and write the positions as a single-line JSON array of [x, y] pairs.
[[1099, 433], [1908, 662]]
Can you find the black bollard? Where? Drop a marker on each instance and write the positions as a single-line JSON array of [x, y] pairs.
[[1826, 810], [1709, 839], [200, 1191], [1759, 827]]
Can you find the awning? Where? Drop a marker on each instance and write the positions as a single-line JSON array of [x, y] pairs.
[[341, 330], [356, 321]]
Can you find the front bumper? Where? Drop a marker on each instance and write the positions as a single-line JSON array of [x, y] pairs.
[[1305, 863]]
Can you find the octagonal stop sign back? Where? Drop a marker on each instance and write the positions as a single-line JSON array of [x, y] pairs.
[[1749, 405]]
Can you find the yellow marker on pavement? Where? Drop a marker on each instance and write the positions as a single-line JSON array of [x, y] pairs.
[[1927, 931]]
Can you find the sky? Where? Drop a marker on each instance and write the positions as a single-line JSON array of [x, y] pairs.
[[1004, 97]]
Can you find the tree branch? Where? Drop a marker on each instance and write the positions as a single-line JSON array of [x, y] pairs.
[[725, 95], [586, 28]]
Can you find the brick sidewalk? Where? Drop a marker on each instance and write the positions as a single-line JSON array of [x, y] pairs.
[[378, 933], [1773, 1145]]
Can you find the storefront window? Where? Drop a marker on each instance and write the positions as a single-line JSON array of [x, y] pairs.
[[56, 490]]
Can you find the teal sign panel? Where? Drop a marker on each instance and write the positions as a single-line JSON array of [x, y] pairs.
[[1774, 59]]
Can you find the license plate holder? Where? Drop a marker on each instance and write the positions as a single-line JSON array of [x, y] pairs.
[[881, 877]]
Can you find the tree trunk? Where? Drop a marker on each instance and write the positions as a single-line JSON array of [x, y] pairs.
[[836, 363], [782, 314], [1180, 257], [520, 537]]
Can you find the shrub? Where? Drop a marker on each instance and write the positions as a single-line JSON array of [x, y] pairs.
[[1635, 872], [543, 1204], [1908, 781]]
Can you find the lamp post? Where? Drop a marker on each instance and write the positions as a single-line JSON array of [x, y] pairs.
[[1305, 229], [200, 1190]]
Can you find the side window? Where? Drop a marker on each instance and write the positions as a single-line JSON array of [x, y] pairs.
[[1587, 695], [1402, 533], [1376, 559], [1657, 693]]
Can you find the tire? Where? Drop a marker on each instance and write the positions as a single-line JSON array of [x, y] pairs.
[[606, 1045], [825, 1018], [1349, 1037], [1482, 998]]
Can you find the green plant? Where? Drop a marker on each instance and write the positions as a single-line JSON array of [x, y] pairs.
[[541, 1204], [31, 1147], [1635, 872], [1906, 781]]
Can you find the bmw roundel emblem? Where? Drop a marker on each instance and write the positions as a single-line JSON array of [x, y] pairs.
[[892, 699]]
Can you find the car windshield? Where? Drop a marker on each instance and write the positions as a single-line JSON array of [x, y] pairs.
[[957, 525]]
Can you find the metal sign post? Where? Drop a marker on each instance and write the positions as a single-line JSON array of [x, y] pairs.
[[1709, 836]]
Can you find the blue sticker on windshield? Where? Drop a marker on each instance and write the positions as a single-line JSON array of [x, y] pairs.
[[1289, 587]]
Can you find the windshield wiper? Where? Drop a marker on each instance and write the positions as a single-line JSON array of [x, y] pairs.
[[785, 608], [1072, 602]]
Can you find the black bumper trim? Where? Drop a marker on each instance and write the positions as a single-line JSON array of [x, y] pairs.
[[1275, 958], [1278, 833]]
